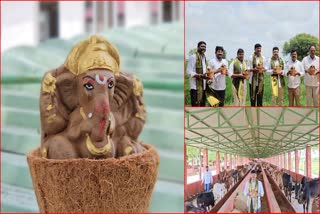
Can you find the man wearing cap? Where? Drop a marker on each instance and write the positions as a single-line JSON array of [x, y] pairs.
[[311, 78], [257, 65], [239, 82], [207, 179], [276, 70], [196, 70], [254, 191], [294, 70], [220, 68]]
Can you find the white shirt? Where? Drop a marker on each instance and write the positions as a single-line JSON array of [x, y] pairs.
[[207, 177], [310, 80], [191, 71], [250, 65], [219, 80], [294, 81], [230, 71], [260, 193], [270, 70]]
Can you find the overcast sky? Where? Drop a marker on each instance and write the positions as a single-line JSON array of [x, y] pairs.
[[236, 25]]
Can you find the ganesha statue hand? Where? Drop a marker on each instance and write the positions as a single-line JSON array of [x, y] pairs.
[[88, 108]]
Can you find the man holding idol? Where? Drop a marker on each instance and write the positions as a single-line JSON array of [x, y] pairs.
[[311, 67], [196, 70], [257, 65], [276, 70], [238, 73], [219, 67], [294, 70]]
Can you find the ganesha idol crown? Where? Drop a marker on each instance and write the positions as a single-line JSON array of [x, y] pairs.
[[94, 52], [88, 108]]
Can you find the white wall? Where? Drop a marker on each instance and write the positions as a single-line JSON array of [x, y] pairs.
[[71, 19], [19, 24], [137, 13], [181, 12]]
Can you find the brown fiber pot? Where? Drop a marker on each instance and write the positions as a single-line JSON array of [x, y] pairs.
[[87, 185]]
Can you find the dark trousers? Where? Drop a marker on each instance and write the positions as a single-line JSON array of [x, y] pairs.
[[221, 95], [256, 99], [193, 94]]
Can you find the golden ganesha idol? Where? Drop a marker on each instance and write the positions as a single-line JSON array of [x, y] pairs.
[[246, 74], [312, 70], [254, 194], [210, 73], [260, 68], [278, 69], [91, 116], [223, 69], [292, 71]]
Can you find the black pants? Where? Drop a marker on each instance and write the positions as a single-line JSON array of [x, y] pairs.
[[221, 96], [256, 99], [193, 94]]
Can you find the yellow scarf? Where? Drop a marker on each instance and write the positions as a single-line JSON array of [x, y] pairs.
[[254, 195], [239, 83], [257, 78], [199, 81], [274, 79]]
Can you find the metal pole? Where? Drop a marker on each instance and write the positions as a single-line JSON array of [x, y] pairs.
[[200, 164], [308, 162], [218, 162], [205, 158], [289, 161], [185, 165], [296, 161], [225, 161]]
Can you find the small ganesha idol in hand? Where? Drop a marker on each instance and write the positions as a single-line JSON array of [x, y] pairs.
[[88, 108], [292, 71], [312, 70]]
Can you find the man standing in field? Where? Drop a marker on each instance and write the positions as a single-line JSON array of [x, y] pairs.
[[294, 70], [257, 64], [220, 67], [239, 82], [196, 70], [276, 70], [311, 67]]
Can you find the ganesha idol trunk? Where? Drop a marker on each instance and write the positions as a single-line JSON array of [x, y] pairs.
[[91, 158], [88, 185]]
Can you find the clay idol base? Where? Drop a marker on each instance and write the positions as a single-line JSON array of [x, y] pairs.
[[87, 185]]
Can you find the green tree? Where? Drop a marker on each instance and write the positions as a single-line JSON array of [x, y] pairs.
[[301, 42], [192, 152], [192, 51], [211, 156]]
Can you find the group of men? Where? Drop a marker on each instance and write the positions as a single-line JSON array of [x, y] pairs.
[[208, 77]]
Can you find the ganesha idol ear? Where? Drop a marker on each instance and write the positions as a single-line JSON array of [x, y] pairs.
[[57, 100], [122, 91]]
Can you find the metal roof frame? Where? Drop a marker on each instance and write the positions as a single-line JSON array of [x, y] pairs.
[[252, 132]]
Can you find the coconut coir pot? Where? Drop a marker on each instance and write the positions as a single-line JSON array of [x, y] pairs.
[[88, 185]]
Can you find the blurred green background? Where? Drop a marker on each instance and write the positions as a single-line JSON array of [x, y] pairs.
[[152, 53]]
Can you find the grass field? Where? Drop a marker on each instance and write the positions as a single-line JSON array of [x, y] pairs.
[[266, 96]]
